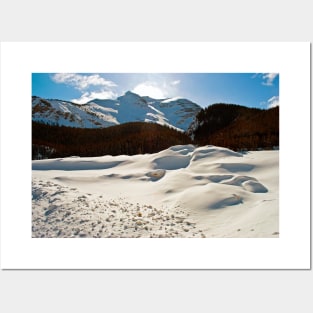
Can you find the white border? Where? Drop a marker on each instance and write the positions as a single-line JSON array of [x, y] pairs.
[[290, 251]]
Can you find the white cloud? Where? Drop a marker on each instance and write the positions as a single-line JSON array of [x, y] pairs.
[[269, 78], [175, 82], [273, 102], [82, 82], [150, 89], [88, 96], [91, 86]]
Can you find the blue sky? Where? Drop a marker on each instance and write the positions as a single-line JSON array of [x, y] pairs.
[[260, 90]]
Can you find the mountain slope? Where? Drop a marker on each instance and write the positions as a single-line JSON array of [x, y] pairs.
[[65, 113], [176, 112], [236, 127]]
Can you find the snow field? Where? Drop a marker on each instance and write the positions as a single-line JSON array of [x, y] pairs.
[[183, 191], [65, 212]]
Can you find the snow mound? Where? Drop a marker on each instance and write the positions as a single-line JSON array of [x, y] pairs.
[[248, 183], [183, 149], [72, 164], [219, 178], [213, 153], [235, 167], [172, 162], [254, 186], [156, 175], [229, 201], [220, 190]]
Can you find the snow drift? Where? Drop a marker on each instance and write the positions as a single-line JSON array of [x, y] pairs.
[[183, 191]]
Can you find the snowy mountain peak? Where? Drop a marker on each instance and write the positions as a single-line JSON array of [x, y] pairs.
[[131, 99], [176, 112], [131, 94]]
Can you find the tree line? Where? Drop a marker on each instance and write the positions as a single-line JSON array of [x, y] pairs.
[[50, 141], [237, 127]]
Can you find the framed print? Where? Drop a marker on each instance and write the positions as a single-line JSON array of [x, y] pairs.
[[155, 155]]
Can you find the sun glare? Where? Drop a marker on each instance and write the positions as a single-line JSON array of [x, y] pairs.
[[150, 89]]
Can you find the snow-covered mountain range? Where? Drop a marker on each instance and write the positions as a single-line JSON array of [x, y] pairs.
[[174, 112]]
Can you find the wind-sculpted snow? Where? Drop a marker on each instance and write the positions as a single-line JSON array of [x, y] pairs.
[[71, 164], [172, 162], [183, 191]]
